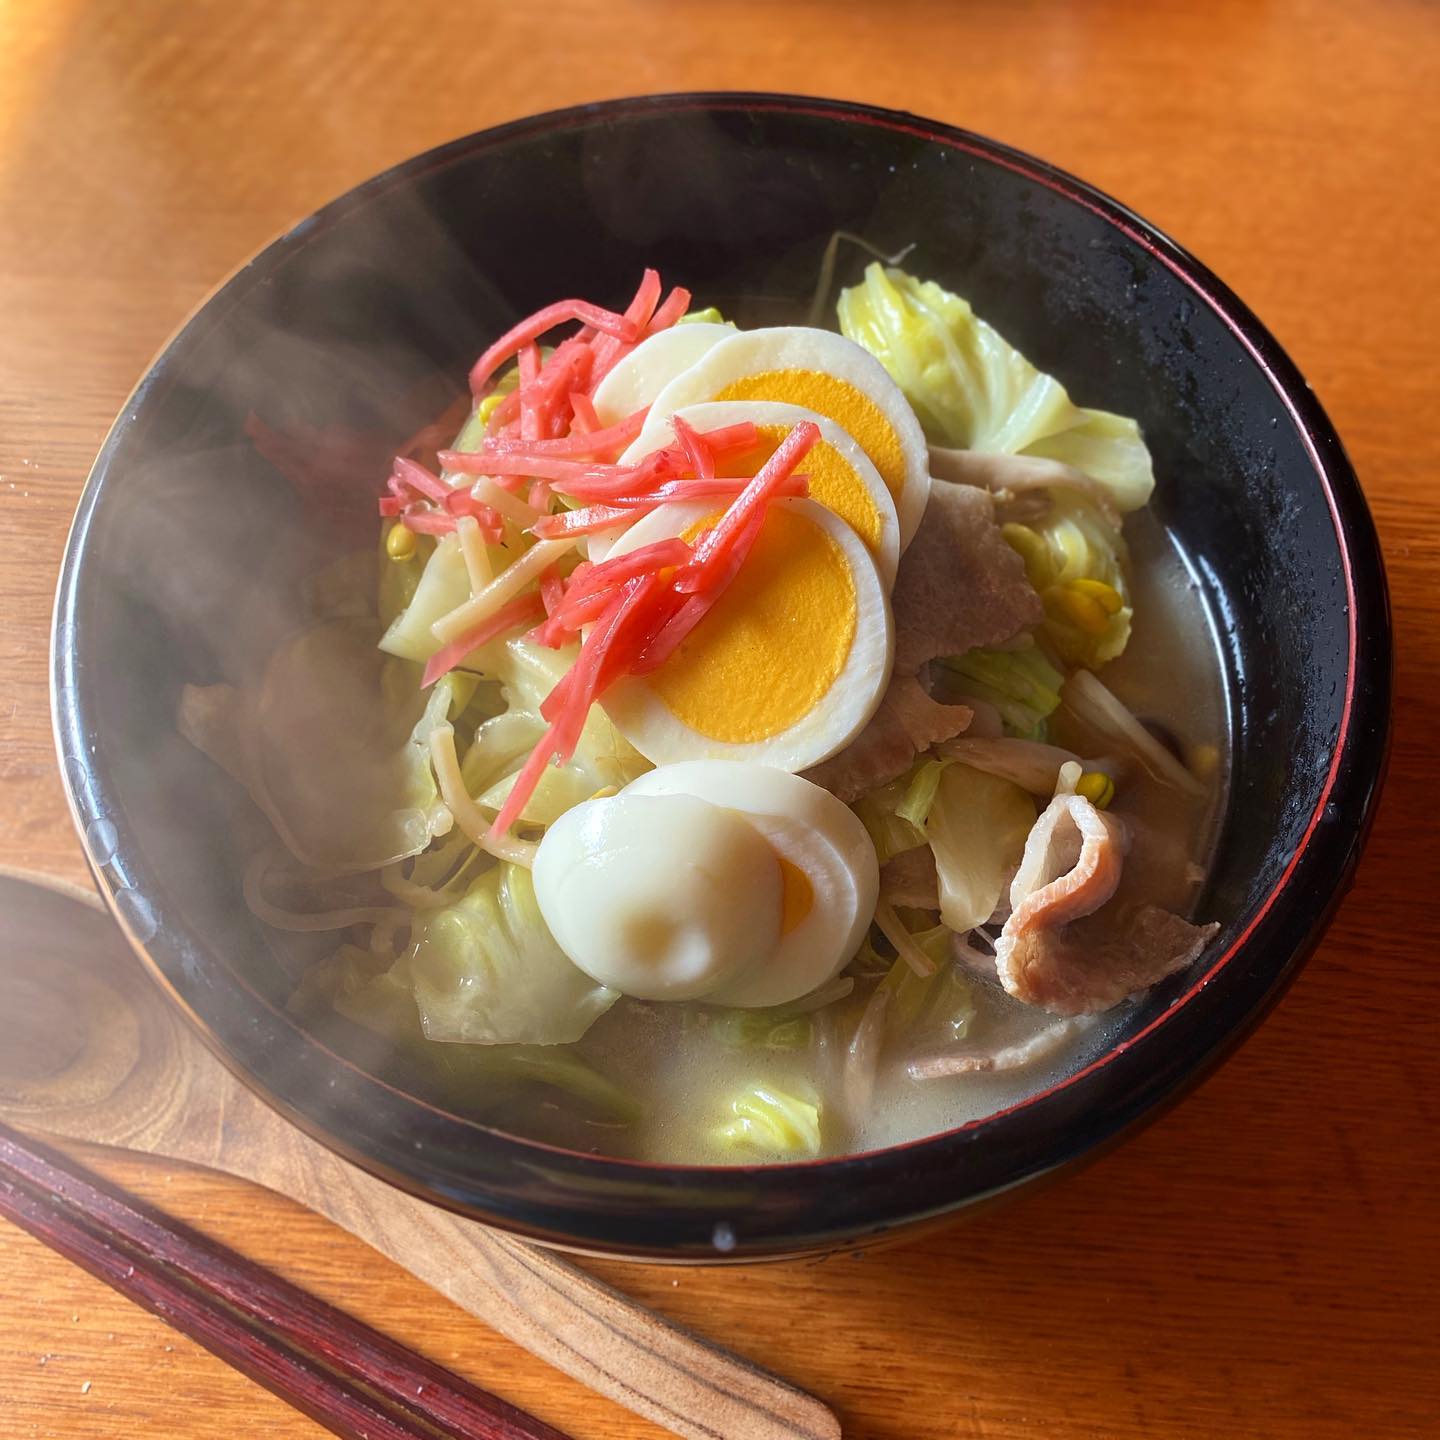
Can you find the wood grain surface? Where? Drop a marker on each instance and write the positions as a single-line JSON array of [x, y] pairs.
[[1263, 1262], [100, 1056]]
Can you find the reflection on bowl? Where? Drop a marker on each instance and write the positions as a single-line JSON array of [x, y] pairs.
[[187, 558]]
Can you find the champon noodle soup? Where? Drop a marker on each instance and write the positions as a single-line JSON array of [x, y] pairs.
[[742, 745]]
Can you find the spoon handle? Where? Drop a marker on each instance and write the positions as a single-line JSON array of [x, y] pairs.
[[559, 1312]]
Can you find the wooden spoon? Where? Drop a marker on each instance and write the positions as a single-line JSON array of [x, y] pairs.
[[93, 1052]]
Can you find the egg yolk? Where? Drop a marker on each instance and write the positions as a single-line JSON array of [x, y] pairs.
[[797, 895], [833, 481], [774, 643], [837, 400]]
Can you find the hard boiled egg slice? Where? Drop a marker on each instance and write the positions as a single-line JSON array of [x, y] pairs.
[[651, 366], [830, 375], [842, 476], [788, 665], [665, 897], [831, 876]]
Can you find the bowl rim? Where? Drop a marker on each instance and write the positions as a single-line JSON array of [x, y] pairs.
[[746, 1212]]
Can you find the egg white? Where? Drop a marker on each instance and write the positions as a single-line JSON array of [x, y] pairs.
[[798, 347], [818, 834], [640, 891], [637, 379]]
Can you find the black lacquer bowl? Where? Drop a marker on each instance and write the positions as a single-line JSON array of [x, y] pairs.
[[189, 548]]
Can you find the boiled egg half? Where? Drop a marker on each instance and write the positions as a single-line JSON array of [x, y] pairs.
[[733, 883], [822, 372], [788, 665]]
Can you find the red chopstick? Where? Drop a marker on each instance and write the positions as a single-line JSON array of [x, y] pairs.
[[338, 1371]]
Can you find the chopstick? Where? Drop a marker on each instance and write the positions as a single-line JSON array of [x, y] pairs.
[[338, 1371]]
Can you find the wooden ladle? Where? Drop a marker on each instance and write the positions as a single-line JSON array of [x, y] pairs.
[[92, 1051]]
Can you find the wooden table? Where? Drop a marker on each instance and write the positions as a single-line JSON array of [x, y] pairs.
[[1261, 1263]]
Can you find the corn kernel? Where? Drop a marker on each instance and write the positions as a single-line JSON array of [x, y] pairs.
[[1096, 787], [1106, 596], [399, 543], [1029, 546], [489, 405], [1082, 611]]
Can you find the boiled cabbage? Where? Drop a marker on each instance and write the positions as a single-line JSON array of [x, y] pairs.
[[443, 585], [469, 1076], [527, 672], [487, 971], [771, 1121], [973, 390], [776, 1029], [1021, 684], [937, 1007], [977, 825], [399, 579], [890, 832]]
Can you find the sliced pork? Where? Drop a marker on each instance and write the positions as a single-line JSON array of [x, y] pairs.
[[909, 880], [1055, 951], [1043, 1045], [907, 723], [1015, 475], [960, 586]]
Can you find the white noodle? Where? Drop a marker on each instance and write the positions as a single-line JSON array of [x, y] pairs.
[[296, 922], [836, 989], [862, 1060], [468, 815], [507, 584], [899, 937], [417, 897]]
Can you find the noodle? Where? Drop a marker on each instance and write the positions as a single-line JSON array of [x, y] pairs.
[[300, 923], [899, 937], [468, 815]]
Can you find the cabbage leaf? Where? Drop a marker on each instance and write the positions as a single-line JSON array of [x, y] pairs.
[[357, 986], [773, 1122], [973, 390], [1021, 684], [891, 833], [977, 825], [487, 971], [762, 1030], [443, 584], [399, 579], [938, 1006], [527, 672]]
